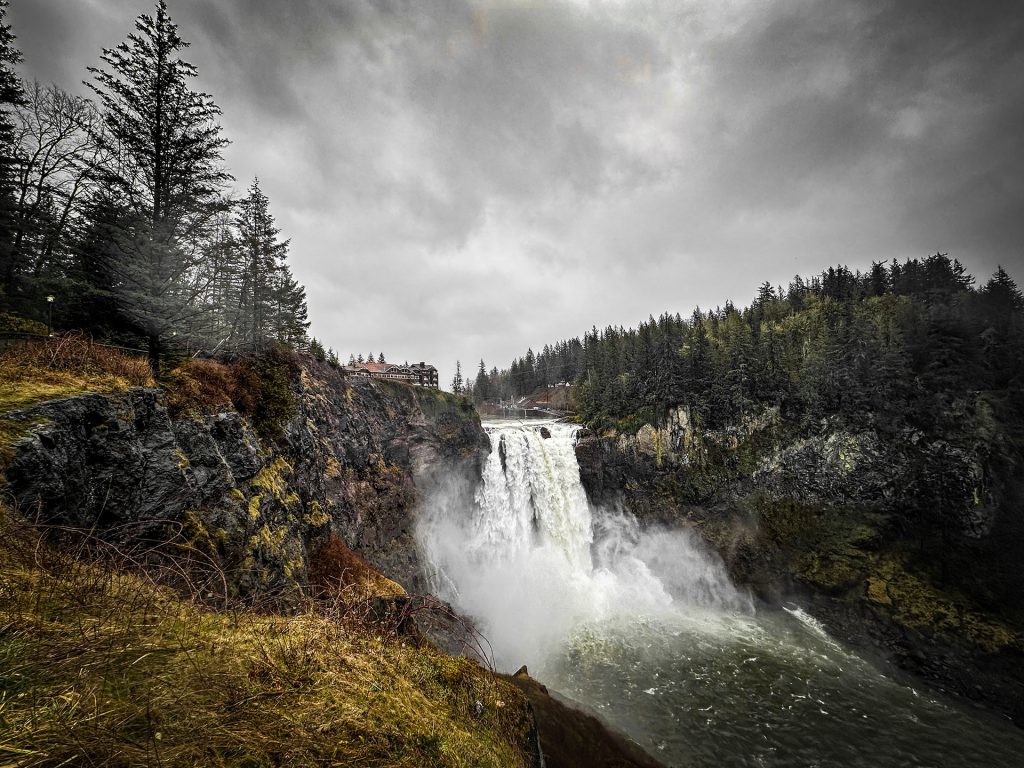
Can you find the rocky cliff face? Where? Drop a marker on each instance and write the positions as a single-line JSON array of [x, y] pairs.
[[352, 458], [882, 534]]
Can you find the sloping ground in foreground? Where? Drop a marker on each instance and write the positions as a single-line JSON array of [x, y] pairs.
[[100, 667]]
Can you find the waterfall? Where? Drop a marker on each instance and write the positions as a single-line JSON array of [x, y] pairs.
[[531, 496], [533, 562], [644, 627]]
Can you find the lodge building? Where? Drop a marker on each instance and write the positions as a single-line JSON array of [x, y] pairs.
[[419, 374]]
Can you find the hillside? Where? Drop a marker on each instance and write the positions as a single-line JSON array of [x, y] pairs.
[[854, 443], [214, 571], [102, 667]]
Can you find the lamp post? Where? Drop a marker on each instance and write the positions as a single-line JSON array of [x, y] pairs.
[[49, 315]]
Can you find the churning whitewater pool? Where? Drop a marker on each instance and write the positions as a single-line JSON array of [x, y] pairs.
[[645, 629]]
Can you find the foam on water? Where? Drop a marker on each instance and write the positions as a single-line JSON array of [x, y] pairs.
[[645, 628], [532, 561]]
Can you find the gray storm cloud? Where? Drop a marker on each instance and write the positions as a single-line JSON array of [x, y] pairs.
[[465, 179]]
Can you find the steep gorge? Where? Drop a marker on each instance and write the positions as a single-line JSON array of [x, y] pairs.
[[250, 498], [900, 542]]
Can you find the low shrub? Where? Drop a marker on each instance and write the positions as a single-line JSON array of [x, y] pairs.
[[201, 385], [259, 386], [14, 324], [265, 390]]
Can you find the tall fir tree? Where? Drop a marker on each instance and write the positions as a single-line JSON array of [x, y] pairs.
[[265, 287], [169, 174], [11, 95]]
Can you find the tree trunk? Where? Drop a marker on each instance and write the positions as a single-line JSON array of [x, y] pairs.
[[154, 354]]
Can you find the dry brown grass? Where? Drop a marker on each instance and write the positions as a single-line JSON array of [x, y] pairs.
[[63, 366], [335, 569], [99, 667], [200, 385]]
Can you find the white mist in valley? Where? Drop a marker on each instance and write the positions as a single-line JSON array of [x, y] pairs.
[[534, 563], [644, 627]]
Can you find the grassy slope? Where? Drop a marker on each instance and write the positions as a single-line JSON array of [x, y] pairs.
[[64, 366], [99, 667]]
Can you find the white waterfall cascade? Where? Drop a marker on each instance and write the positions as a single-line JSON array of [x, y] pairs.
[[533, 562]]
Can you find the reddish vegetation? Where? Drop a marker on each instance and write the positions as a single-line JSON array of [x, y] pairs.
[[202, 383], [334, 567], [76, 354], [259, 386]]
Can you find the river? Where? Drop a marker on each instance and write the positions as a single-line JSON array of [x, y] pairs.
[[645, 628]]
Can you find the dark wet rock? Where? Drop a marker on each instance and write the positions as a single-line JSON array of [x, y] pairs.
[[573, 738], [424, 618], [545, 433], [818, 516], [356, 458], [590, 457]]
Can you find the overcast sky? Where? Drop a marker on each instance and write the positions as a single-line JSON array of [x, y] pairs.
[[464, 179]]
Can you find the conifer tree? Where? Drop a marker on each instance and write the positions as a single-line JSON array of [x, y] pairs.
[[458, 383], [168, 175], [316, 349], [271, 304], [482, 384], [11, 95]]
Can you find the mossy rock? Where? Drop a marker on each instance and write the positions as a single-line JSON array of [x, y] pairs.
[[830, 571], [877, 591], [915, 603]]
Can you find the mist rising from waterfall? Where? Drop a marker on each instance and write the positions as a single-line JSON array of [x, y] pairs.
[[533, 562]]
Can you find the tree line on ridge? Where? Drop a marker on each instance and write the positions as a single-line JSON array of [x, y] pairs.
[[896, 344]]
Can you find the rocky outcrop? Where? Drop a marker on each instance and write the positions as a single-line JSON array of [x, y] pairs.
[[573, 738], [879, 533], [352, 456]]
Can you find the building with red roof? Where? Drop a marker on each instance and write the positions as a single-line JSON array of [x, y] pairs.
[[418, 374]]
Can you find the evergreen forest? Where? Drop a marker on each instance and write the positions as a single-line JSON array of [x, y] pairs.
[[118, 217], [897, 346]]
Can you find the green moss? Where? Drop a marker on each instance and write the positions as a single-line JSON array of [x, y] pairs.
[[183, 461], [916, 603], [10, 431], [834, 572], [316, 516], [199, 536], [877, 591], [254, 507], [273, 479], [332, 470]]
